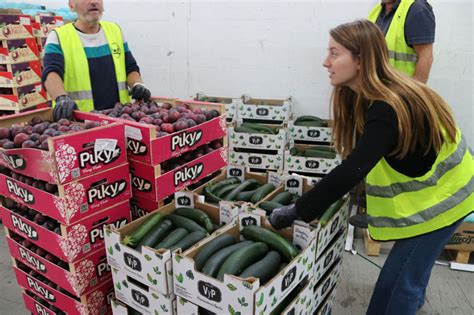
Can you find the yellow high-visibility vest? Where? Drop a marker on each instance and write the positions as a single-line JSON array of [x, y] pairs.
[[401, 56], [399, 206], [77, 82]]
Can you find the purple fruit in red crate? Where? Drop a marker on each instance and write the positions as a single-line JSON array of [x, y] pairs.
[[173, 115], [26, 243], [146, 120], [28, 129], [208, 115], [158, 129], [8, 145], [20, 138], [64, 122], [57, 230], [15, 129], [165, 118], [35, 137], [36, 120], [162, 134], [187, 157], [181, 109], [180, 125], [207, 149], [44, 145], [76, 127], [30, 214], [169, 128], [41, 252], [50, 132], [49, 225], [153, 108], [137, 115], [28, 180], [51, 188], [29, 144], [157, 122], [63, 128], [33, 248], [200, 118], [33, 273], [191, 123], [51, 258], [53, 125], [145, 109], [197, 110], [39, 218], [40, 128], [63, 264], [4, 133], [127, 110], [92, 124], [7, 202], [21, 265], [166, 105], [3, 141]]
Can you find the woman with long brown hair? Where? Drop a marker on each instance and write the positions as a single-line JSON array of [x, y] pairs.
[[418, 167]]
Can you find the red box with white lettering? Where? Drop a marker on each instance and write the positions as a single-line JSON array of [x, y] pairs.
[[20, 74], [94, 302], [144, 146], [72, 242], [77, 278], [75, 200], [15, 26], [142, 206], [149, 182], [69, 156]]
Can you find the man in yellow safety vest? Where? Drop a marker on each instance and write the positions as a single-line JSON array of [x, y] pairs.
[[88, 65]]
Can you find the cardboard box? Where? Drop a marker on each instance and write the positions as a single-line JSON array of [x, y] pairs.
[[76, 200], [230, 103], [83, 275], [150, 267], [141, 298], [144, 146], [326, 306], [47, 23], [272, 110], [23, 97], [309, 164], [463, 238], [70, 156], [21, 74], [18, 50], [75, 241], [256, 160], [149, 182], [258, 141], [325, 286], [118, 308], [308, 134], [15, 26], [332, 254], [143, 206], [94, 302], [236, 294], [35, 307]]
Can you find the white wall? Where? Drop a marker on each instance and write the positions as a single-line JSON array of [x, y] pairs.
[[273, 48]]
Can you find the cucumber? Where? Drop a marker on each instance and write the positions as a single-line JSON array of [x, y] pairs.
[[258, 128], [241, 259], [312, 123], [322, 148], [268, 206], [244, 129], [274, 240], [185, 223], [222, 191], [139, 233], [245, 185], [157, 234], [263, 269], [223, 240], [197, 216], [209, 195], [245, 195], [262, 192], [224, 182], [327, 215], [316, 153], [284, 198], [212, 265], [174, 237], [308, 118], [189, 240]]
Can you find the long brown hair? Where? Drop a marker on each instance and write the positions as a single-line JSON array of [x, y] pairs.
[[421, 112]]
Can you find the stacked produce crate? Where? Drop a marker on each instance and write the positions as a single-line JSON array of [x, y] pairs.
[[20, 68], [258, 139], [43, 25], [309, 150], [171, 144], [231, 104], [60, 184]]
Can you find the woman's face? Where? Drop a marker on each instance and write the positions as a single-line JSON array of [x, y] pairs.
[[343, 68]]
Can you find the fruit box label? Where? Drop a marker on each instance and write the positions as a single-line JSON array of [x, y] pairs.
[[310, 165], [19, 50], [76, 200], [305, 133], [463, 238], [76, 241], [256, 160], [88, 273], [235, 294], [257, 140], [15, 26], [94, 301]]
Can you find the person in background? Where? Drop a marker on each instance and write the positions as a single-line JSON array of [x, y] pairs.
[[88, 65], [409, 29], [418, 166]]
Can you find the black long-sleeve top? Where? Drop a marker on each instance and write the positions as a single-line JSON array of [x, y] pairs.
[[379, 138]]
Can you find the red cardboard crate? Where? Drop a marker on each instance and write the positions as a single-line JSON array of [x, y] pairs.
[[20, 74], [142, 206], [76, 241], [144, 146], [18, 50], [23, 97], [70, 156], [15, 26], [83, 275], [44, 24], [95, 302], [148, 181], [76, 200]]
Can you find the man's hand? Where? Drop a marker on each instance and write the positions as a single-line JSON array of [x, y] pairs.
[[140, 92], [283, 217], [64, 108]]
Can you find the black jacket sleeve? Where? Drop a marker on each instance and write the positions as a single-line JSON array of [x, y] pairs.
[[378, 139]]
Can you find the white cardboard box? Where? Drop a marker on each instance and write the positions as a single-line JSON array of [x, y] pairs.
[[260, 141], [309, 134], [265, 109], [257, 160]]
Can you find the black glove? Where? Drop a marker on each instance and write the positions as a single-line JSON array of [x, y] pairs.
[[140, 92], [283, 217], [65, 105]]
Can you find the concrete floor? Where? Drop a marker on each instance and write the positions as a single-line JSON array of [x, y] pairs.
[[449, 291]]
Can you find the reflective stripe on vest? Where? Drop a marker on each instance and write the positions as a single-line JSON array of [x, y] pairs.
[[76, 67], [399, 206], [401, 56]]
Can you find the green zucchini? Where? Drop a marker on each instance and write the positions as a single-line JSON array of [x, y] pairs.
[[316, 153], [157, 234], [139, 233], [224, 182], [221, 241], [268, 206], [212, 265], [197, 215], [245, 185], [209, 195], [174, 237], [185, 223], [262, 192], [284, 198], [222, 191], [241, 259], [308, 118], [322, 148], [327, 215], [245, 195], [258, 128], [314, 123], [263, 269], [274, 240], [189, 240], [244, 129]]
